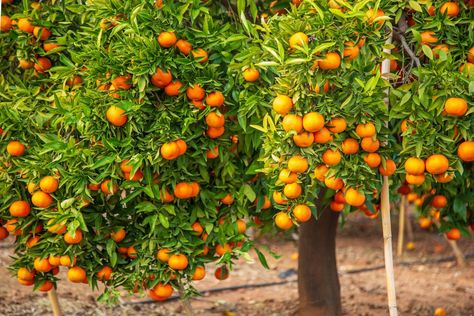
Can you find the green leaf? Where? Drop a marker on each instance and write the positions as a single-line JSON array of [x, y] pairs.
[[262, 258]]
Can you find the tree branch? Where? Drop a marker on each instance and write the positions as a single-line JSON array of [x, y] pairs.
[[399, 33]]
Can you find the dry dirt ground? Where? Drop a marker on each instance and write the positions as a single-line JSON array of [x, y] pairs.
[[420, 287]]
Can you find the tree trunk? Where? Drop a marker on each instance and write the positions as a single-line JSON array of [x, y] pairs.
[[318, 281]]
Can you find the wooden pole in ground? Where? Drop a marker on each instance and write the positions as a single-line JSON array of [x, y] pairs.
[[386, 223], [408, 220], [53, 298], [401, 227], [461, 260], [188, 310]]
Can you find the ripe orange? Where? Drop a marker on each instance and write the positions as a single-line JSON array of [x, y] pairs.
[[172, 89], [302, 212], [455, 106], [178, 262], [49, 184], [283, 221], [116, 116], [15, 148], [26, 64], [41, 33], [424, 222], [227, 200], [215, 99], [444, 177], [3, 233], [132, 252], [371, 15], [198, 104], [313, 122], [251, 74], [170, 150], [470, 55], [428, 37], [453, 234], [292, 122], [43, 64], [118, 235], [163, 290], [212, 153], [438, 48], [42, 265], [339, 197], [331, 157], [331, 61], [286, 176], [451, 9], [104, 186], [25, 25], [214, 132], [242, 226], [466, 151], [278, 198], [32, 241], [184, 46], [223, 249], [197, 228], [337, 125], [201, 55], [58, 228], [351, 51], [323, 136], [370, 145], [167, 39], [41, 199], [195, 92], [282, 104], [73, 239], [292, 190], [320, 172], [365, 130], [199, 273], [304, 139], [389, 168], [214, 119], [334, 183], [50, 46], [350, 146], [76, 274], [6, 23], [75, 80], [354, 197], [163, 255], [125, 167], [298, 164], [161, 79], [440, 312], [466, 69], [415, 166], [183, 190], [46, 286], [298, 39], [122, 82], [336, 206], [25, 274], [439, 201], [104, 274], [166, 197], [415, 179], [54, 260], [20, 209], [221, 273], [437, 164]]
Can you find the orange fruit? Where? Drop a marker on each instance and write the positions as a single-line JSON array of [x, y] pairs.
[[20, 209], [163, 255], [415, 179], [466, 151], [369, 145], [42, 64], [199, 273], [286, 176], [136, 177], [444, 177], [184, 46], [3, 233], [215, 132], [415, 166], [323, 136], [334, 183], [41, 199], [227, 200], [351, 51], [221, 273], [278, 198], [331, 157], [292, 190], [6, 23], [66, 261], [313, 122], [170, 150], [302, 212], [424, 222], [350, 146], [213, 153], [118, 235], [438, 48], [201, 55], [304, 139], [32, 241], [54, 260], [428, 37], [283, 221], [58, 228], [251, 74], [267, 203], [440, 312], [125, 167], [389, 168], [50, 46], [183, 190], [298, 39], [331, 61], [42, 265], [466, 69], [365, 130], [214, 119], [172, 89], [354, 197], [282, 104], [161, 79], [336, 207], [49, 184], [451, 9], [76, 274], [437, 164], [470, 55], [25, 25], [339, 197], [455, 106], [292, 122], [167, 39], [104, 274], [122, 82], [25, 274], [163, 290], [439, 201], [104, 186], [242, 226], [453, 234], [215, 99], [73, 239], [116, 116], [41, 33], [197, 228], [26, 64], [298, 164], [337, 125], [178, 262], [46, 286], [371, 15], [15, 148], [320, 172], [166, 197], [198, 104], [195, 92], [223, 249]]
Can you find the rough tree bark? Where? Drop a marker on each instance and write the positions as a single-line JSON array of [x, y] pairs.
[[318, 281]]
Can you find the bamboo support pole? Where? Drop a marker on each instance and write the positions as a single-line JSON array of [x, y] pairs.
[[408, 220], [53, 298], [460, 259], [401, 228], [386, 223]]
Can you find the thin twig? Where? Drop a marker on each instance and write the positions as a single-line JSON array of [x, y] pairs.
[[401, 38]]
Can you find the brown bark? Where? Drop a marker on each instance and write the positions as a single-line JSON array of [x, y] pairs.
[[318, 281]]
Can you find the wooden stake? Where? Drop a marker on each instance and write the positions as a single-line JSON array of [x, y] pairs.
[[386, 223], [53, 298], [408, 220], [188, 310], [457, 252], [401, 227]]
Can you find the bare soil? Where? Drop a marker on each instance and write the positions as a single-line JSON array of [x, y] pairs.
[[421, 287]]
